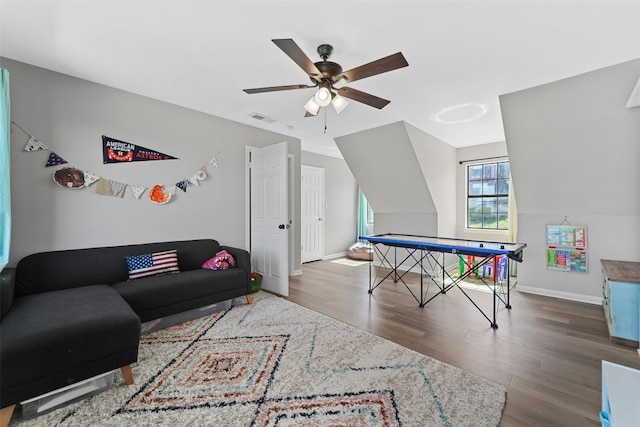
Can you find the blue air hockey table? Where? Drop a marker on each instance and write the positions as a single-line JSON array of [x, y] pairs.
[[421, 250]]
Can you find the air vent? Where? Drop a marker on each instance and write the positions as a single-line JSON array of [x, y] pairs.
[[261, 117]]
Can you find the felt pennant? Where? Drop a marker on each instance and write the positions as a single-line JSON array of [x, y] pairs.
[[55, 160], [115, 151], [214, 162], [35, 145]]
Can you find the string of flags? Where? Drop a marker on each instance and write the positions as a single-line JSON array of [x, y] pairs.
[[71, 177]]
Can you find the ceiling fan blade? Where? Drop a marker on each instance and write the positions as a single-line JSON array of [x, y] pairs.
[[308, 114], [294, 52], [363, 97], [276, 88], [382, 65]]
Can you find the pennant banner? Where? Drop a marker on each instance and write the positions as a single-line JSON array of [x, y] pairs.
[[115, 151]]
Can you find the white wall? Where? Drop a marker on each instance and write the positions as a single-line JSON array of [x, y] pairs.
[[69, 115], [341, 203], [574, 150]]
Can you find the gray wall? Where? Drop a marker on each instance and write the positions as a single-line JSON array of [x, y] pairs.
[[386, 167], [384, 163], [341, 203], [574, 150], [69, 115], [437, 163]]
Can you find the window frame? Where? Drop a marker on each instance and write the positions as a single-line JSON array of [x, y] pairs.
[[495, 195]]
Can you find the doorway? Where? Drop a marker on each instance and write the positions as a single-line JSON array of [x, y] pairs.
[[312, 215]]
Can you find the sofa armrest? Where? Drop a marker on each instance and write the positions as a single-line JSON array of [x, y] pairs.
[[242, 258], [7, 289]]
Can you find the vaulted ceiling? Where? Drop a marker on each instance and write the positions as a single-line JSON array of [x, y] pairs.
[[200, 54]]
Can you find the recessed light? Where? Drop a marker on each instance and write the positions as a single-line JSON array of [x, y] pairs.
[[460, 113]]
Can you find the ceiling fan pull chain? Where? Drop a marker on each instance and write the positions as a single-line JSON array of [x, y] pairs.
[[325, 121]]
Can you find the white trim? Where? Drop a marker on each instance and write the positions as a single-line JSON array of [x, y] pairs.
[[247, 198], [290, 205], [560, 294], [336, 255], [296, 273]]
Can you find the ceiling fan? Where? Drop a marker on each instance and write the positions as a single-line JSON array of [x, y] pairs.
[[326, 74]]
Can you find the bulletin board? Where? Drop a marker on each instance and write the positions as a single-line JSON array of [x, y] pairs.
[[567, 248]]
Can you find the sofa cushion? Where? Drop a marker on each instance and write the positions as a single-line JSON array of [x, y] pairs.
[[52, 271], [150, 293], [152, 264], [55, 339]]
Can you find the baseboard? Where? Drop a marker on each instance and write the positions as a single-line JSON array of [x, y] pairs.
[[560, 294], [296, 273], [333, 256]]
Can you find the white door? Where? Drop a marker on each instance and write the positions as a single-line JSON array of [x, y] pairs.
[[269, 217], [312, 213]]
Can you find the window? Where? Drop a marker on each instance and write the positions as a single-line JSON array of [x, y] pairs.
[[365, 216], [488, 196]]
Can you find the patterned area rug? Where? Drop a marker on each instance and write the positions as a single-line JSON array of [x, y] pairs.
[[275, 363]]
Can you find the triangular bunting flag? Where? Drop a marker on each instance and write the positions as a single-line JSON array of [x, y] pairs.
[[55, 160], [118, 188], [214, 162], [35, 145], [182, 185], [104, 187], [137, 191], [90, 178]]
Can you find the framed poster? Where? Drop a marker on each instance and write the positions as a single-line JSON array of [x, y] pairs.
[[566, 248]]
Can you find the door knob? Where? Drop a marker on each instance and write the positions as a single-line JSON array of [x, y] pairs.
[[281, 226]]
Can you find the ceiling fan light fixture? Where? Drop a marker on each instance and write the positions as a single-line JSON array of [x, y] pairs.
[[323, 97], [312, 106], [339, 103]]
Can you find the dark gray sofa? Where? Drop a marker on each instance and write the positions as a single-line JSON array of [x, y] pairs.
[[71, 315]]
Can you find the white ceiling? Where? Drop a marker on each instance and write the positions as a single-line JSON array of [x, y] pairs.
[[201, 54]]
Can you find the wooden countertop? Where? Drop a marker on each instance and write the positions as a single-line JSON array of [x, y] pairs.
[[621, 271]]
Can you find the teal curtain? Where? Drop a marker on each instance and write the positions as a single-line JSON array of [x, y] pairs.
[[5, 188], [362, 214]]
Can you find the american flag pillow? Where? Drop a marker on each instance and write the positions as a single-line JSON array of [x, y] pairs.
[[152, 264]]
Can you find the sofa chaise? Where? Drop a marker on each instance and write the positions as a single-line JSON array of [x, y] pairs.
[[74, 314]]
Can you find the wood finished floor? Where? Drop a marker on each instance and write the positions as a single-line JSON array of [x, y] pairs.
[[546, 351]]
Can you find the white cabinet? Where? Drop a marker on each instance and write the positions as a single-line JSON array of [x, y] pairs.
[[621, 300]]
